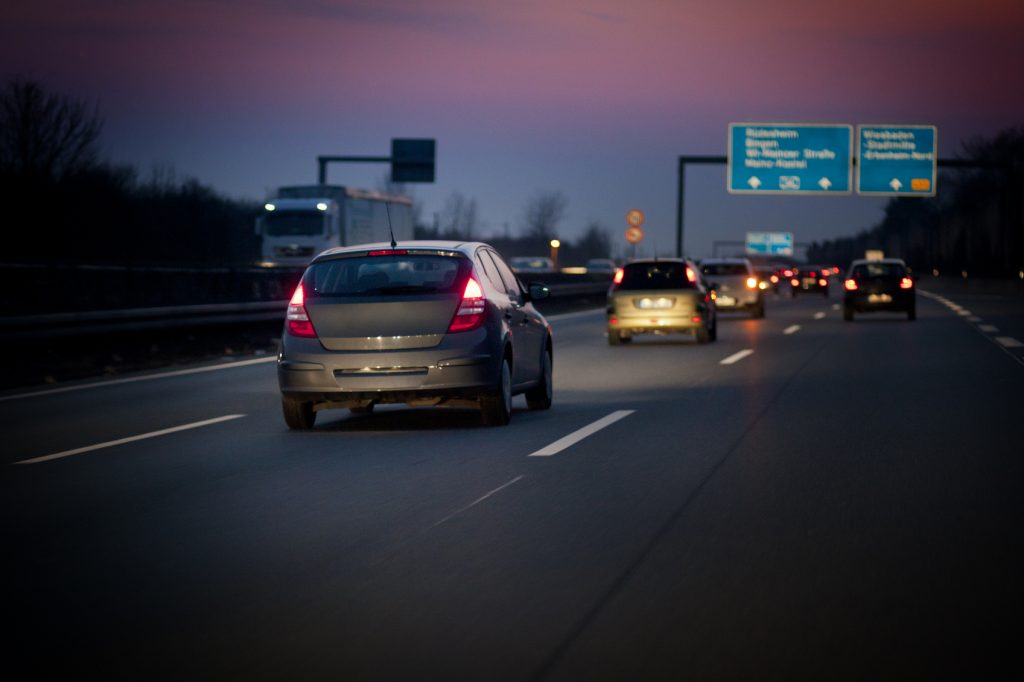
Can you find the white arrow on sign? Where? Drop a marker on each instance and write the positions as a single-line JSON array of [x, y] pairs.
[[825, 183], [895, 184], [754, 181]]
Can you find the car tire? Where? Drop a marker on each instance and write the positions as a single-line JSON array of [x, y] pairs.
[[758, 311], [703, 335], [713, 331], [848, 313], [912, 313], [539, 397], [496, 407], [298, 414], [614, 339]]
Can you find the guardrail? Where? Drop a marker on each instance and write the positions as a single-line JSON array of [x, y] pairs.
[[27, 327]]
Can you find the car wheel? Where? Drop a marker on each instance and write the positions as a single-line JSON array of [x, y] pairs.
[[298, 414], [613, 337], [539, 397], [703, 335], [912, 313], [496, 408], [713, 331], [848, 313], [758, 311]]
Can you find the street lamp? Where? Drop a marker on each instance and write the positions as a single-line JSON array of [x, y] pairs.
[[554, 252]]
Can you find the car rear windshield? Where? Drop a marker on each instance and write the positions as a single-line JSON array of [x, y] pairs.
[[879, 270], [719, 269], [655, 276], [400, 274]]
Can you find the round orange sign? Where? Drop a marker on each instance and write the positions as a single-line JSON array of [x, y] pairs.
[[634, 235], [635, 217]]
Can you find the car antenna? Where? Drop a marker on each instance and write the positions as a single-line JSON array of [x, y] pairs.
[[391, 230]]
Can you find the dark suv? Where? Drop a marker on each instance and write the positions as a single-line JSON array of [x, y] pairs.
[[872, 285]]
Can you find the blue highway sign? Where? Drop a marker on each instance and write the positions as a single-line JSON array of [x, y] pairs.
[[896, 160], [789, 158], [770, 243]]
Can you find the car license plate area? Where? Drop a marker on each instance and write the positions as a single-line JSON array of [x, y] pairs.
[[879, 298], [661, 303], [725, 301], [810, 281]]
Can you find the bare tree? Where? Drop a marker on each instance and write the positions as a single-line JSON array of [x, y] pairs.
[[543, 213], [45, 135], [388, 186], [459, 217]]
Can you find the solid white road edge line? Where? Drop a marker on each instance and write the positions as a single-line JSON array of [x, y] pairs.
[[990, 328], [477, 501], [130, 439], [792, 329], [736, 357], [577, 436], [144, 377], [1009, 342]]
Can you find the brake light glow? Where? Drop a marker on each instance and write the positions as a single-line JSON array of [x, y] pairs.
[[388, 252], [822, 282], [618, 276], [787, 272], [695, 318], [299, 323], [470, 314], [691, 276], [906, 283], [795, 282], [850, 285], [751, 282], [775, 279]]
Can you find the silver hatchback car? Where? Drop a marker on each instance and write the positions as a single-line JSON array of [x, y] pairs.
[[422, 323]]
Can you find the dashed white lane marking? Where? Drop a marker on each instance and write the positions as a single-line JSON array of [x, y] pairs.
[[736, 357], [1009, 342], [974, 318], [145, 377], [819, 316], [964, 313], [990, 328], [835, 306], [477, 501], [130, 439], [792, 329], [577, 436]]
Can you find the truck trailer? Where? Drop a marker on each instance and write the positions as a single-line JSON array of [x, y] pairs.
[[300, 221]]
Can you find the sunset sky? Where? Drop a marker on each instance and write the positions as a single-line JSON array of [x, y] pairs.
[[596, 98]]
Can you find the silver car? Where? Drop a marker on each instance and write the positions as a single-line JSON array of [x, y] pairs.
[[422, 323], [735, 284]]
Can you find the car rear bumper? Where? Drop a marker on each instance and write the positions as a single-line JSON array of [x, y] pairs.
[[653, 323], [862, 302], [454, 368]]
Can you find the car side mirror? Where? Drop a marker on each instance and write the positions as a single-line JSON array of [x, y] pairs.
[[538, 291]]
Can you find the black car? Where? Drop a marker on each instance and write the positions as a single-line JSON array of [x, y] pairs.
[[811, 279], [873, 285]]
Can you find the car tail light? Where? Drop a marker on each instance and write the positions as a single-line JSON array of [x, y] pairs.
[[795, 282], [787, 273], [470, 314], [850, 285], [812, 273], [751, 282], [775, 279], [906, 283], [388, 252], [691, 276], [298, 321], [695, 318], [617, 280], [822, 282]]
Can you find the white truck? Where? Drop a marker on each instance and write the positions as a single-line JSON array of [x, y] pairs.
[[299, 222]]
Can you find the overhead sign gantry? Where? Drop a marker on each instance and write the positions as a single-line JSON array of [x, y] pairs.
[[785, 158]]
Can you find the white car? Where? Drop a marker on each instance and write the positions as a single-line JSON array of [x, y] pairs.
[[735, 285]]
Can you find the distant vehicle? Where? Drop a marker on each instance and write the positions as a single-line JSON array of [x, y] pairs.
[[735, 284], [427, 323], [531, 264], [299, 222], [810, 279], [601, 265], [658, 297], [873, 285], [766, 277]]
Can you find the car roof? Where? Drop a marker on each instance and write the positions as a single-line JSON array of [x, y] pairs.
[[465, 248], [648, 261], [725, 260], [891, 261]]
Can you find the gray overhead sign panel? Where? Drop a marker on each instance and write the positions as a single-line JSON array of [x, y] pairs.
[[789, 158]]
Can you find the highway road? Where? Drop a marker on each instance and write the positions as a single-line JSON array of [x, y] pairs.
[[803, 499]]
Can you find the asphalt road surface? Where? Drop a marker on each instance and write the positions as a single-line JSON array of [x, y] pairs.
[[803, 499]]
